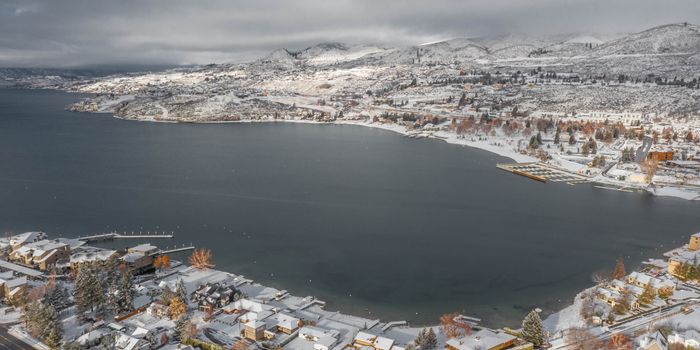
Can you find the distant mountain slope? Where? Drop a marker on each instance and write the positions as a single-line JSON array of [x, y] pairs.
[[21, 73], [672, 38]]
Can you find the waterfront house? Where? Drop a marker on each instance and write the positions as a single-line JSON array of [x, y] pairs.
[[212, 296], [483, 339], [641, 279], [373, 341], [19, 240], [323, 339]]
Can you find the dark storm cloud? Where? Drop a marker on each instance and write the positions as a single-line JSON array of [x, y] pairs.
[[54, 33]]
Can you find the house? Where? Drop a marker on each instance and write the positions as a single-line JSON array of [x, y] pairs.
[[157, 309], [373, 341], [41, 254], [20, 240], [692, 338], [212, 296], [323, 339], [137, 262], [254, 330], [483, 339], [91, 338], [641, 280], [662, 154], [654, 341], [246, 306], [10, 286], [126, 342], [287, 324], [140, 258]]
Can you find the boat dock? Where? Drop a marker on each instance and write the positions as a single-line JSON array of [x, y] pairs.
[[114, 235], [540, 172], [174, 250]]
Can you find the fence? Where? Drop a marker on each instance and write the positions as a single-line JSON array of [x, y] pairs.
[[119, 319]]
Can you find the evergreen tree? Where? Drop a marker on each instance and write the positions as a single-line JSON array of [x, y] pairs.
[[533, 142], [111, 267], [421, 337], [647, 296], [431, 341], [182, 291], [532, 329], [113, 298], [53, 341], [572, 139], [584, 151], [623, 301], [619, 272], [539, 138], [180, 327], [168, 295], [127, 292], [556, 136]]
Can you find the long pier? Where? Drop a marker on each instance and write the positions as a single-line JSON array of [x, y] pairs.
[[175, 250], [114, 235]]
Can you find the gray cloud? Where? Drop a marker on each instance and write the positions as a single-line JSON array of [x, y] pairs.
[[58, 33]]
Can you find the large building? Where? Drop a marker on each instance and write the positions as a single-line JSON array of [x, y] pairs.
[[40, 254], [687, 254], [483, 339]]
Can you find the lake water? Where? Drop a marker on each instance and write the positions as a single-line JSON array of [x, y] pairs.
[[359, 217]]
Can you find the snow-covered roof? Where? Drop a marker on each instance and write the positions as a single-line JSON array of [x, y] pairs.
[[25, 237], [144, 248], [378, 342], [483, 339], [255, 324], [132, 257], [90, 256], [286, 321], [316, 332]]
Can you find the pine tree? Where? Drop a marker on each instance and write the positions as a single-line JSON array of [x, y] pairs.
[[53, 341], [539, 138], [533, 142], [113, 298], [532, 329], [556, 136], [431, 341], [572, 139], [182, 291], [180, 327], [619, 272], [647, 296], [584, 151], [167, 295], [127, 292], [421, 337]]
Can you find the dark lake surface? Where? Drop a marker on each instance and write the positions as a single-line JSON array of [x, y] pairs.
[[359, 217]]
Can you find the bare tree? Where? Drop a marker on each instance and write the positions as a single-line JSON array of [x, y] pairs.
[[582, 339], [601, 277], [650, 166]]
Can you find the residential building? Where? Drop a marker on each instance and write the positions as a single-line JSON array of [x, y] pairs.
[[373, 341], [158, 309], [214, 296], [254, 330], [323, 339], [654, 341], [89, 257], [483, 339], [10, 286], [40, 254]]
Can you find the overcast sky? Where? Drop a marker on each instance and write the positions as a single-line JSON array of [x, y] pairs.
[[58, 33]]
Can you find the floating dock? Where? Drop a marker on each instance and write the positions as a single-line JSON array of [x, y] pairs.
[[541, 172]]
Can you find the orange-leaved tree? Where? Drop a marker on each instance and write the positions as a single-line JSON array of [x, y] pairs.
[[619, 341], [454, 326], [162, 262], [241, 345], [176, 308], [201, 259]]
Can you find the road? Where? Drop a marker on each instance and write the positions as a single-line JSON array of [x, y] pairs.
[[643, 150], [9, 342]]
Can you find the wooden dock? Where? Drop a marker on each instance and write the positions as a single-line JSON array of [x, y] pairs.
[[114, 235]]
